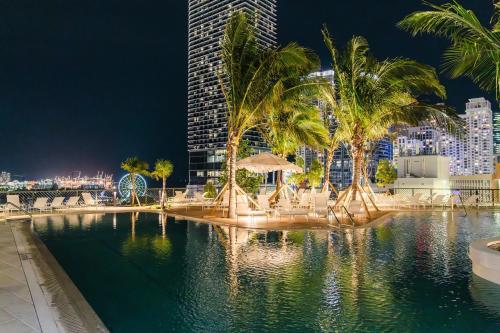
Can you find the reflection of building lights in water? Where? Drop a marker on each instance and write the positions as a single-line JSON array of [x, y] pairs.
[[114, 221]]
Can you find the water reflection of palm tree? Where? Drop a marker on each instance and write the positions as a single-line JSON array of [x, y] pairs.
[[135, 245]]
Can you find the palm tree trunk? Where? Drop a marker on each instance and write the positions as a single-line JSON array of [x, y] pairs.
[[163, 191], [357, 157], [231, 165], [328, 166], [133, 195], [279, 182]]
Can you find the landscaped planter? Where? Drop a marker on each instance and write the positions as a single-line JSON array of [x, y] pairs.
[[485, 256]]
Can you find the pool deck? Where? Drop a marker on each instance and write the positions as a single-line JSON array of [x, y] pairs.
[[35, 293], [274, 223], [17, 310]]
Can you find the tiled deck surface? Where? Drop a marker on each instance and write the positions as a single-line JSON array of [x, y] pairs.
[[17, 312]]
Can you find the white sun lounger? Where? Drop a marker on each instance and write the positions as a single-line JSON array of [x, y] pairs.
[[263, 201], [355, 207], [57, 203], [89, 200], [243, 209], [285, 208], [40, 205], [72, 202], [321, 205], [440, 200], [13, 203], [471, 201]]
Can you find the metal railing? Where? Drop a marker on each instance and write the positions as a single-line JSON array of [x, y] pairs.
[[26, 199], [485, 197]]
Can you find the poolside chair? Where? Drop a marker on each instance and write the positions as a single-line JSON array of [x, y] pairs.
[[284, 207], [243, 209], [304, 201], [418, 199], [440, 200], [384, 200], [13, 203], [321, 205], [180, 198], [355, 207], [40, 205], [263, 201], [300, 193], [57, 203], [472, 201], [72, 202], [89, 201], [241, 199]]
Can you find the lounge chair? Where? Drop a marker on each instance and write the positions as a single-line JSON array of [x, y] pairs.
[[440, 200], [300, 193], [402, 200], [321, 205], [243, 209], [472, 201], [40, 204], [304, 201], [89, 201], [72, 202], [284, 207], [355, 207], [263, 201], [13, 203], [418, 199], [200, 200], [57, 203], [384, 200], [180, 198]]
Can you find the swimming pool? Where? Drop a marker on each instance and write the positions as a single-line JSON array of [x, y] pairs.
[[148, 273]]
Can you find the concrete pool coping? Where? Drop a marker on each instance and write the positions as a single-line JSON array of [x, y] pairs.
[[485, 260], [59, 305]]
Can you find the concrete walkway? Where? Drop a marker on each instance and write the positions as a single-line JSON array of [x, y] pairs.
[[17, 312]]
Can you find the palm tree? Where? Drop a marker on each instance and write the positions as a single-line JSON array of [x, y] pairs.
[[295, 122], [252, 78], [474, 50], [332, 145], [134, 166], [163, 169], [370, 96]]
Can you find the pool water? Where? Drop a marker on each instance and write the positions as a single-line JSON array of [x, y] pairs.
[[150, 273]]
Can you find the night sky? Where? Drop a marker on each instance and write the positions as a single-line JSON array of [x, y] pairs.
[[86, 83]]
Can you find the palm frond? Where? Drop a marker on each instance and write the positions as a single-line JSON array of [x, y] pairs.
[[474, 50]]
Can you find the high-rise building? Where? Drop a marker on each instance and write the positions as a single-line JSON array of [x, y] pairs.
[[429, 139], [478, 147], [496, 133], [207, 127]]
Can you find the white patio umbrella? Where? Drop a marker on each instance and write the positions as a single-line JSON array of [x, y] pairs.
[[267, 162]]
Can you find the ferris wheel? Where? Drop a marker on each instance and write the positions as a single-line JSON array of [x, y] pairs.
[[125, 186]]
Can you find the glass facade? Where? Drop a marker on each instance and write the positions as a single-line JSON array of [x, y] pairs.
[[207, 128]]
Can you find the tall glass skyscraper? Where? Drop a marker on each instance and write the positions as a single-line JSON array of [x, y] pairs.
[[478, 156], [496, 132], [207, 127]]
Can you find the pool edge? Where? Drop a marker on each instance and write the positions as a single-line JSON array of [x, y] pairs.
[[69, 308]]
